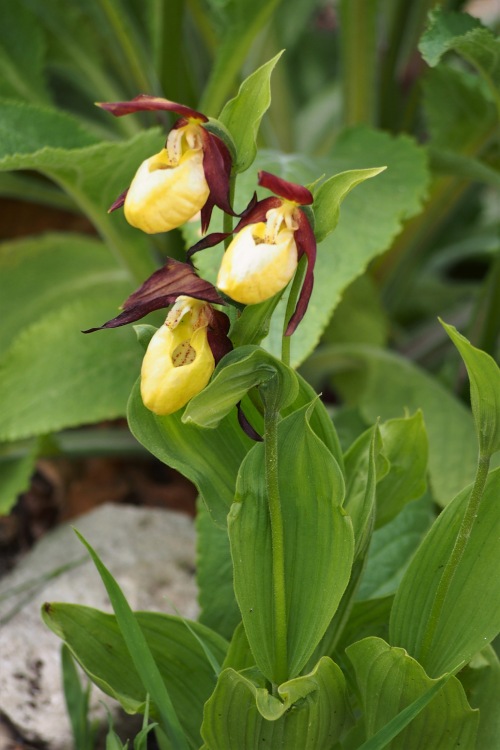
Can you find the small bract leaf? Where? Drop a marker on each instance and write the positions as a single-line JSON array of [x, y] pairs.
[[238, 372], [330, 195], [243, 114], [484, 376]]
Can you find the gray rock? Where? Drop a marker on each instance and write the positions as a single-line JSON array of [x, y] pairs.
[[151, 554]]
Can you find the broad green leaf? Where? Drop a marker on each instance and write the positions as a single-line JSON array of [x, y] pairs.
[[93, 174], [481, 681], [53, 377], [26, 129], [43, 274], [470, 618], [363, 465], [445, 28], [465, 35], [22, 55], [15, 475], [468, 112], [243, 114], [390, 681], [484, 376], [242, 714], [312, 519], [383, 385], [140, 654], [95, 640], [239, 655], [406, 449], [210, 459], [392, 548], [359, 317], [214, 576], [238, 372], [331, 193]]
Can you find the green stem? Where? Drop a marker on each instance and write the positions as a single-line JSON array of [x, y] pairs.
[[271, 419], [457, 553]]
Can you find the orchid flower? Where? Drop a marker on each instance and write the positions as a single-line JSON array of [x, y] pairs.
[[182, 354], [190, 174], [269, 241]]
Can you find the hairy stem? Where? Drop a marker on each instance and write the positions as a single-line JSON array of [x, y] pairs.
[[278, 548]]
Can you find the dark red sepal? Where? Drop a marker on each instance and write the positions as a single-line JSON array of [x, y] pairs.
[[160, 290], [217, 331], [208, 241], [246, 426], [217, 164], [290, 191], [306, 245], [118, 203], [147, 103]]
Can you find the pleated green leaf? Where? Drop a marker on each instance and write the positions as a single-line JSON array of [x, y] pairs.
[[79, 379], [481, 681], [471, 614], [95, 640], [406, 449], [308, 714], [238, 372], [383, 385], [210, 459], [214, 575], [311, 492], [484, 376], [390, 681]]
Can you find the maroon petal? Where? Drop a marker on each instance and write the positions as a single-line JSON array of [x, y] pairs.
[[118, 203], [146, 103], [306, 245], [246, 426], [161, 290], [218, 340], [253, 213], [288, 190], [217, 164], [208, 241]]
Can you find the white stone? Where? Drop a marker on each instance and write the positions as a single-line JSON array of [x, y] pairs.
[[151, 554]]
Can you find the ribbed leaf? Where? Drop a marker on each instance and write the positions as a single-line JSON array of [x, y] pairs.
[[390, 681], [471, 613], [95, 640], [308, 714], [210, 459], [312, 519], [484, 376]]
